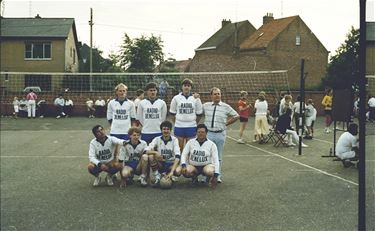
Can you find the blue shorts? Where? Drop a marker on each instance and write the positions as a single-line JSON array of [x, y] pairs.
[[185, 132], [121, 136], [149, 137], [165, 166], [133, 164]]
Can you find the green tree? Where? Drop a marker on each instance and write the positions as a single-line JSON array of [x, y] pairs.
[[141, 54], [343, 69], [99, 63]]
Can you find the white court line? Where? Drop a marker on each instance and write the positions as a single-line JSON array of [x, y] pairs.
[[324, 141], [299, 163], [58, 157], [245, 155]]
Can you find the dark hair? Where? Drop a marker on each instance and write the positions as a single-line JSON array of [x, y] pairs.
[[134, 130], [139, 92], [299, 98], [150, 85], [187, 81], [202, 126], [95, 129], [167, 124], [353, 128]]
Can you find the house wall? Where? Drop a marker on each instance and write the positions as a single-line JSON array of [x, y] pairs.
[[71, 55], [370, 58]]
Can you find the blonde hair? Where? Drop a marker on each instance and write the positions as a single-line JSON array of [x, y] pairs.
[[121, 85]]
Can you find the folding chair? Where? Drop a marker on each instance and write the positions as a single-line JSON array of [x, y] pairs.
[[271, 136], [280, 139]]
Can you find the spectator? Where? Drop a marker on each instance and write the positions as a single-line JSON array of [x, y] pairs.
[[60, 103], [23, 107], [371, 105], [68, 107], [296, 109], [327, 103], [163, 89], [90, 107], [100, 107], [31, 104], [261, 125], [16, 105], [347, 146], [285, 104], [41, 105], [244, 111], [283, 126], [310, 119]]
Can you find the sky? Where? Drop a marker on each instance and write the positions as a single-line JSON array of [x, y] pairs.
[[185, 24]]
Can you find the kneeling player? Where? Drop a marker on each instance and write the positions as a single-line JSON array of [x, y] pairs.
[[134, 158], [200, 156], [101, 155], [164, 154]]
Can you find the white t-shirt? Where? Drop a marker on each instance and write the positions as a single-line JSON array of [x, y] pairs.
[[310, 111], [100, 102], [186, 110], [197, 154], [345, 143], [168, 149], [69, 102], [151, 114], [99, 153], [371, 102], [121, 115], [131, 152], [261, 107]]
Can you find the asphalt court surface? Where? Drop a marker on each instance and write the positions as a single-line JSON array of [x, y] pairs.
[[45, 185]]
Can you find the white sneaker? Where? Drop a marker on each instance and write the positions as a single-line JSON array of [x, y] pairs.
[[291, 144], [142, 178], [219, 180], [240, 141], [174, 178], [304, 145], [58, 117], [96, 181], [62, 113], [109, 180], [157, 177]]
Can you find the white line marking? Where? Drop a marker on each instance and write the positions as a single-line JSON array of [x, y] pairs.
[[59, 157], [299, 163], [245, 155], [324, 141]]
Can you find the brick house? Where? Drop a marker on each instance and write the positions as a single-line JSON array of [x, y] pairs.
[[37, 45], [279, 44]]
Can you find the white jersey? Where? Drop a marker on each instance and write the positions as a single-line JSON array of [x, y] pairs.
[[151, 114], [121, 115], [345, 143], [186, 110], [168, 149], [103, 153], [311, 111], [131, 152], [197, 154]]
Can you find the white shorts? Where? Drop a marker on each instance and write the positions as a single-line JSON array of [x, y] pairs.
[[16, 109], [309, 121], [346, 155]]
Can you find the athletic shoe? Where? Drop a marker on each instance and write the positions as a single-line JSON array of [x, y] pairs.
[[202, 179], [304, 145], [62, 113], [219, 180], [174, 178], [58, 117], [143, 180], [96, 181], [240, 141], [109, 180], [255, 141], [291, 144], [157, 177]]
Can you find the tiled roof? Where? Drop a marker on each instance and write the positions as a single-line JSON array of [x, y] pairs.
[[221, 35], [266, 33], [36, 27], [370, 31]]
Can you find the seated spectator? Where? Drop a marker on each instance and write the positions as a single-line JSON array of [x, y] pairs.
[[16, 105], [41, 106], [100, 107], [371, 107], [23, 108], [347, 146], [90, 107], [69, 106], [163, 89], [60, 103], [283, 126]]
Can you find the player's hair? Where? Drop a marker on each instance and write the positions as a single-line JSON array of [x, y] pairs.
[[139, 92], [214, 89], [261, 97], [167, 124], [134, 130], [309, 101], [243, 93], [288, 97], [121, 85], [96, 128], [150, 85], [187, 81], [353, 128], [262, 93], [202, 126]]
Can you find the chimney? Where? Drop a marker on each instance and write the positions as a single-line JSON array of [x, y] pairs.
[[38, 16], [267, 18], [224, 22]]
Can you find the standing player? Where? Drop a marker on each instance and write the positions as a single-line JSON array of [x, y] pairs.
[[134, 158], [151, 113], [244, 111], [101, 155], [218, 115], [200, 156], [31, 104], [164, 154], [186, 110], [121, 113]]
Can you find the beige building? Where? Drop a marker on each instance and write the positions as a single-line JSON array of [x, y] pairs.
[[279, 44], [37, 45]]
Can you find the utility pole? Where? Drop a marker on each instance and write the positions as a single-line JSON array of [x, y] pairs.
[[91, 23]]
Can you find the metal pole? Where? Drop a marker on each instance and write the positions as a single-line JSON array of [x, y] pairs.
[[301, 108], [91, 24], [362, 118]]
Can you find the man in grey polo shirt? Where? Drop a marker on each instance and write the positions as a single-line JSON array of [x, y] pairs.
[[218, 115]]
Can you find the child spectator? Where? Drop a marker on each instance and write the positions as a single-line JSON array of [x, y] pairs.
[[100, 107], [310, 119], [69, 107], [244, 111], [16, 104], [90, 107]]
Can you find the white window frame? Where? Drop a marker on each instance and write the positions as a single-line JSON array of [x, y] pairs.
[[32, 44], [298, 40]]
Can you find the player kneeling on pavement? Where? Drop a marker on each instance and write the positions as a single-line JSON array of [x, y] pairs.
[[200, 156], [133, 156], [101, 155], [347, 146], [164, 155]]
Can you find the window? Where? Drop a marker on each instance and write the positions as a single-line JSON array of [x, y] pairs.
[[37, 50], [74, 56], [298, 40]]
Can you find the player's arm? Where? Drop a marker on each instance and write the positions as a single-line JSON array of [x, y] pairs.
[[177, 153], [215, 158], [139, 112], [173, 109], [109, 112], [164, 111], [132, 115], [184, 156], [233, 116]]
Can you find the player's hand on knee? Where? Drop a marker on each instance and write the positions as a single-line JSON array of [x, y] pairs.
[[104, 167]]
